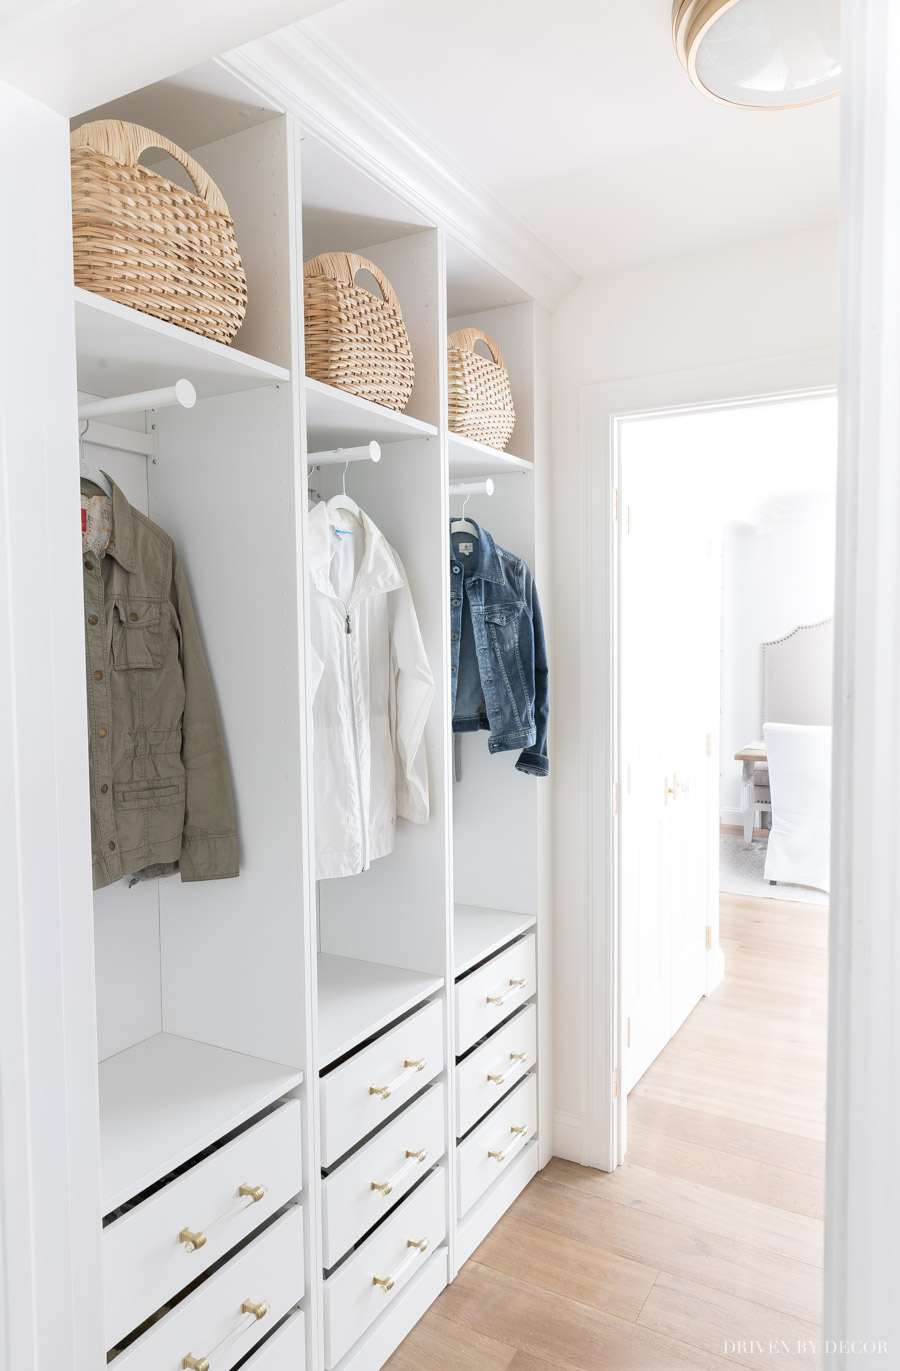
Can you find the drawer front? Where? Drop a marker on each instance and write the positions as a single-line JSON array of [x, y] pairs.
[[145, 1263], [378, 1175], [371, 1279], [494, 1068], [211, 1322], [374, 1083], [488, 1150], [284, 1351], [493, 992]]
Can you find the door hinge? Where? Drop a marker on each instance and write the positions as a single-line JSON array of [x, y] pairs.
[[708, 938], [615, 797], [628, 1032], [615, 504], [709, 744], [616, 1084]]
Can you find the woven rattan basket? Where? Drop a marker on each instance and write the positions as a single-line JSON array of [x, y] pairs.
[[481, 403], [144, 241], [354, 340]]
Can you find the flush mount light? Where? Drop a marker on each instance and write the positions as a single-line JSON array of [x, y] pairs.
[[761, 54]]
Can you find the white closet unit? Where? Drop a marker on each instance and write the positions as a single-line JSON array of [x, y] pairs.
[[316, 1098]]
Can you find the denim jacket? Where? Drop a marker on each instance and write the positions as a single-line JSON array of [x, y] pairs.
[[498, 655]]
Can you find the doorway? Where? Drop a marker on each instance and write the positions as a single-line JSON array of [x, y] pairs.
[[723, 629]]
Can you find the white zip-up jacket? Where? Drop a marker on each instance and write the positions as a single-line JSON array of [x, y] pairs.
[[371, 688]]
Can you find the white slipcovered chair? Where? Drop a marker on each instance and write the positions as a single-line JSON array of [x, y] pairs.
[[799, 761]]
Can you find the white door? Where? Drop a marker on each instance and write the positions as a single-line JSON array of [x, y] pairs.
[[669, 716]]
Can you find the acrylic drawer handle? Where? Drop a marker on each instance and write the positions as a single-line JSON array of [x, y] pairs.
[[514, 986], [515, 1057], [384, 1092], [386, 1283], [506, 1153], [252, 1314], [384, 1188], [252, 1193]]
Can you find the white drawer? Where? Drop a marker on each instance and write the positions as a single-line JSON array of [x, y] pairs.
[[488, 1151], [490, 994], [370, 1086], [284, 1351], [350, 1202], [211, 1323], [145, 1264], [492, 1070], [372, 1277]]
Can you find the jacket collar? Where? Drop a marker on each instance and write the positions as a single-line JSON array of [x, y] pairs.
[[379, 570], [488, 566], [121, 542]]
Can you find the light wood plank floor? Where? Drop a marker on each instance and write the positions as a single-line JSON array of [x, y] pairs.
[[712, 1229]]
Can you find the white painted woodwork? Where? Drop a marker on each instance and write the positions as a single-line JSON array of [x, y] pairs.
[[489, 995], [359, 999], [269, 1270], [392, 1325], [351, 1104], [491, 1071], [479, 933], [351, 1204], [470, 459], [499, 1134], [144, 1263], [164, 1100], [475, 1225], [335, 418], [284, 1350], [353, 1300]]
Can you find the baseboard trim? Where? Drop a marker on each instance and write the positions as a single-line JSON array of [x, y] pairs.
[[568, 1136]]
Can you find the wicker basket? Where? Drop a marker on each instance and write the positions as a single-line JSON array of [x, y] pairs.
[[354, 340], [481, 403], [145, 242]]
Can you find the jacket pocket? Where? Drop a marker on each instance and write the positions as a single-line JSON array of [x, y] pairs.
[[504, 624], [150, 814], [135, 635]]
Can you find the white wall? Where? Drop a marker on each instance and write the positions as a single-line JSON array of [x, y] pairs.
[[740, 303], [772, 581]]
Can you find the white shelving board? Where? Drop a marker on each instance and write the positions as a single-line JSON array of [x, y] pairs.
[[479, 932], [165, 1099], [121, 350], [357, 999], [469, 459], [335, 418]]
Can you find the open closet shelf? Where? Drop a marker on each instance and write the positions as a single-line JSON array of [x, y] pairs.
[[121, 350], [357, 999], [334, 418], [479, 932], [468, 459], [165, 1099]]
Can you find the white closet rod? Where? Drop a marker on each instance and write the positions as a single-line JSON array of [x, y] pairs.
[[182, 393], [369, 452], [485, 487]]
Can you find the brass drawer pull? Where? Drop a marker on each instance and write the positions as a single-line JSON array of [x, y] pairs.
[[503, 1155], [410, 1069], [516, 1058], [193, 1241], [415, 1159], [514, 987], [386, 1283], [251, 1313]]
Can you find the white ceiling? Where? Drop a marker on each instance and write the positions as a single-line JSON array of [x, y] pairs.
[[577, 117]]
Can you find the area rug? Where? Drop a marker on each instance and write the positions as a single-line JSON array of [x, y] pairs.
[[741, 868]]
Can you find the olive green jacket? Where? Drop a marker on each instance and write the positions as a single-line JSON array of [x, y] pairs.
[[160, 789]]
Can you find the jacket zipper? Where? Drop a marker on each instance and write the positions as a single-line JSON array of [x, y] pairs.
[[348, 631]]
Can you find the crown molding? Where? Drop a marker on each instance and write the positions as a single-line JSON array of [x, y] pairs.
[[335, 103]]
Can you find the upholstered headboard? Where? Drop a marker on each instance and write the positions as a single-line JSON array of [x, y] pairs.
[[797, 676]]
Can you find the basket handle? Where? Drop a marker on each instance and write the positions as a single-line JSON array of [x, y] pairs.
[[343, 266], [126, 142], [464, 340]]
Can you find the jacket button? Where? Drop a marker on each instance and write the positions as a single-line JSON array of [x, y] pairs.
[[454, 636], [101, 732], [456, 571], [98, 675], [133, 617], [92, 619], [89, 566], [104, 788], [112, 847]]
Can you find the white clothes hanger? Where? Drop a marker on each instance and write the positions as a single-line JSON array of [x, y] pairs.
[[88, 472], [469, 488], [344, 501]]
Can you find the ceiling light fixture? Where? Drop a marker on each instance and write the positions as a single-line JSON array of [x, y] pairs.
[[760, 54]]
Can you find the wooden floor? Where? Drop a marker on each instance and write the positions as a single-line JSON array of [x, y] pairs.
[[711, 1232]]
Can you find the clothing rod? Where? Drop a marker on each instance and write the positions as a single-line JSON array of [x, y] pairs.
[[369, 452], [182, 393], [485, 487]]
